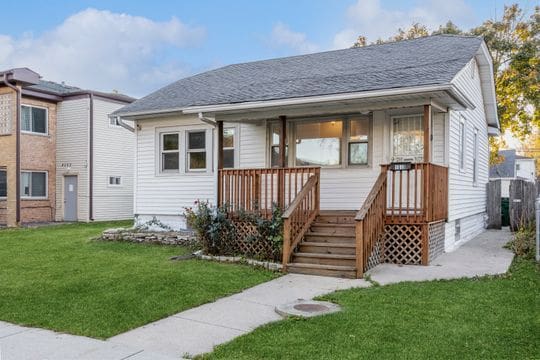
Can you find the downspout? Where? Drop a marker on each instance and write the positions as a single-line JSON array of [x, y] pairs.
[[91, 160], [17, 148]]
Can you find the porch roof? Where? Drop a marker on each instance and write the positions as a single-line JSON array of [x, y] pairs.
[[427, 61]]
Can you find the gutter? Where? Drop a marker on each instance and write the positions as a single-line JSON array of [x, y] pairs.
[[91, 159], [17, 148]]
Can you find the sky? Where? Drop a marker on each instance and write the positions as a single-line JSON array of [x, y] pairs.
[[136, 47]]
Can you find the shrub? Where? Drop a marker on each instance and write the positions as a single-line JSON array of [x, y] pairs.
[[212, 226], [524, 242], [267, 229]]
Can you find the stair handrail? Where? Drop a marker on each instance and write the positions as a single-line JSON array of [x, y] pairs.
[[370, 221], [299, 216]]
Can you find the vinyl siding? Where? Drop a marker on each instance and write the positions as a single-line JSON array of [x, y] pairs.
[[467, 199], [438, 147], [72, 153], [114, 152]]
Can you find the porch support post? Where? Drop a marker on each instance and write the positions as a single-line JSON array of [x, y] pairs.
[[427, 133], [219, 161], [282, 162]]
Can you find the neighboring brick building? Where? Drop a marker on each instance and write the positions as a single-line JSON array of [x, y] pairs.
[[41, 181]]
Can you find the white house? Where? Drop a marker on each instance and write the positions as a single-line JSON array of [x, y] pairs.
[[423, 107], [512, 167]]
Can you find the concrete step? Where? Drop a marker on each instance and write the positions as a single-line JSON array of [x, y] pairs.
[[329, 238], [324, 259], [323, 270], [327, 248]]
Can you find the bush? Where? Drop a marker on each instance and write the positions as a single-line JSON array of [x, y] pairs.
[[524, 242], [212, 226], [267, 229]]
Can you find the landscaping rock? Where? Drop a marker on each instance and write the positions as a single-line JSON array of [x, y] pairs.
[[148, 237]]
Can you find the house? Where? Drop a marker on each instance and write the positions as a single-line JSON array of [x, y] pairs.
[[64, 160], [511, 168], [377, 153]]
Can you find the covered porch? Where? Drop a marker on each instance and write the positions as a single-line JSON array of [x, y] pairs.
[[396, 199]]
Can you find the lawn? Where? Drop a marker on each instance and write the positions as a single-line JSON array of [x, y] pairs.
[[57, 278], [486, 318]]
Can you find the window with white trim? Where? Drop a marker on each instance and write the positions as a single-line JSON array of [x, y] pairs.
[[318, 143], [34, 184], [475, 156], [170, 152], [114, 121], [115, 180], [34, 119], [229, 135], [196, 150], [408, 138], [462, 143], [358, 141], [3, 183]]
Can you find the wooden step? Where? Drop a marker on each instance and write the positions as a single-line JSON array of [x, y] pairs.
[[324, 259], [323, 270], [327, 248], [329, 238], [330, 228], [336, 217]]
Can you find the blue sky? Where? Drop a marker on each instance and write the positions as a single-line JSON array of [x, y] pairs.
[[138, 46]]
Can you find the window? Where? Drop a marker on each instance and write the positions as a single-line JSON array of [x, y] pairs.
[[462, 143], [114, 121], [408, 138], [115, 180], [34, 184], [517, 167], [318, 143], [34, 119], [3, 183], [196, 151], [358, 141], [275, 134], [475, 156], [228, 147], [170, 152]]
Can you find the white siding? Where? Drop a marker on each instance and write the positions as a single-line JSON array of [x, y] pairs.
[[253, 145], [114, 152], [166, 195], [438, 143], [527, 169], [467, 199], [72, 153]]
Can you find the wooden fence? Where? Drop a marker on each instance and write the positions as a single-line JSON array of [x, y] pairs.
[[522, 195]]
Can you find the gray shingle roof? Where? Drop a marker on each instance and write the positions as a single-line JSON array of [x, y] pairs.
[[425, 61], [507, 167], [54, 88]]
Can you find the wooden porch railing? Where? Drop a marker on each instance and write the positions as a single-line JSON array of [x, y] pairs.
[[260, 189], [370, 221], [417, 193], [299, 216]]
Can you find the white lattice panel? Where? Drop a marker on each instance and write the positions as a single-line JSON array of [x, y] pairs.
[[5, 114]]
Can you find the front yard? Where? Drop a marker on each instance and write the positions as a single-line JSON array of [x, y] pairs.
[[485, 318], [57, 278]]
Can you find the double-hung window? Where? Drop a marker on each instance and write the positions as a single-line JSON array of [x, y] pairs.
[[34, 119], [358, 141], [475, 156], [275, 136], [3, 183], [462, 143], [228, 147], [318, 143], [34, 184], [170, 152], [196, 150]]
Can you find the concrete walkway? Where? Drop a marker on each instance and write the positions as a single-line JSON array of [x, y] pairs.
[[483, 255], [198, 330]]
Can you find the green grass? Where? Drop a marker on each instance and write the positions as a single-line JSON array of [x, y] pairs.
[[486, 318], [57, 278]]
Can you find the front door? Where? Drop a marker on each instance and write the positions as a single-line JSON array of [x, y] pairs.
[[70, 198]]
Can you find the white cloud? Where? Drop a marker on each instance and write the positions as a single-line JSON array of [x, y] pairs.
[[283, 36], [368, 18], [103, 50]]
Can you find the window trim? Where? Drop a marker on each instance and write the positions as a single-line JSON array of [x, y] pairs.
[[462, 144], [344, 119], [116, 121], [2, 198], [475, 157], [28, 132], [162, 151], [115, 185], [46, 197], [236, 140], [348, 141], [392, 117], [189, 151]]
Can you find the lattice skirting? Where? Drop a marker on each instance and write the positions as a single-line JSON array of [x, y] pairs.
[[436, 236], [247, 242], [403, 244], [377, 255]]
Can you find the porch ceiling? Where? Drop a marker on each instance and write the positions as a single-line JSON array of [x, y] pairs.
[[440, 99]]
